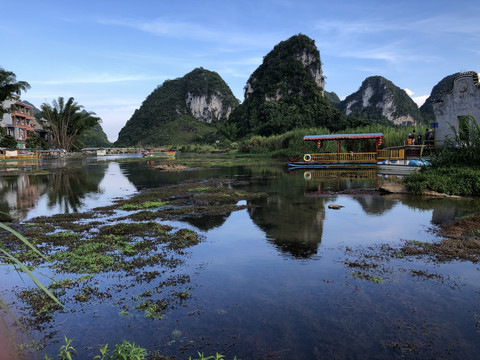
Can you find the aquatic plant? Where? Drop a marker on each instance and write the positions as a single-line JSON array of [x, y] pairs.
[[123, 351], [217, 356], [364, 276]]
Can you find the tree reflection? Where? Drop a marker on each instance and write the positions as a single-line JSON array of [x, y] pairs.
[[68, 187], [292, 222]]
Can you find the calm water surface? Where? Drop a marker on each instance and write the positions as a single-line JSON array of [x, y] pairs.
[[276, 281]]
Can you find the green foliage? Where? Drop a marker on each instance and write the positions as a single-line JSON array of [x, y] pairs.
[[34, 141], [144, 205], [332, 98], [9, 142], [128, 351], [165, 118], [94, 137], [9, 86], [464, 146], [123, 351], [66, 121], [217, 356], [291, 143], [283, 95], [452, 180], [455, 168]]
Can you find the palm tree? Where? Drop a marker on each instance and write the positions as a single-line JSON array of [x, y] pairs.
[[66, 121], [10, 87]]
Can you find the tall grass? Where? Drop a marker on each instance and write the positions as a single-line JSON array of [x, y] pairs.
[[291, 143]]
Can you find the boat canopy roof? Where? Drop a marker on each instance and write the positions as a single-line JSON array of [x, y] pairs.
[[342, 136]]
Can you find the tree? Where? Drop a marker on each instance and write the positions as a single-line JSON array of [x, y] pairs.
[[34, 141], [9, 142], [66, 121], [10, 87]]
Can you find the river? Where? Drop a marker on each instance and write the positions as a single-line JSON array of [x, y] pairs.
[[286, 278]]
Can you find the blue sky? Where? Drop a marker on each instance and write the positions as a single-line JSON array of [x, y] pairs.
[[110, 55]]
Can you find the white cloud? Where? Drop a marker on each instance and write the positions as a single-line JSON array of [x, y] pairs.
[[98, 79], [409, 92], [420, 100]]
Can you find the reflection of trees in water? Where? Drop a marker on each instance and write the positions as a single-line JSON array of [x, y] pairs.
[[207, 223], [293, 227], [291, 221], [68, 187], [375, 205], [444, 209]]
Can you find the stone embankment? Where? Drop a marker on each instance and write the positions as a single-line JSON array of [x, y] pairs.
[[394, 187]]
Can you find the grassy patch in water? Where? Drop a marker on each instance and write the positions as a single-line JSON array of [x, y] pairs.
[[144, 205], [136, 253], [153, 309], [364, 276]]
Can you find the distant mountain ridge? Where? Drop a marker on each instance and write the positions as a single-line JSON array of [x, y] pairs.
[[380, 101], [179, 111], [286, 91]]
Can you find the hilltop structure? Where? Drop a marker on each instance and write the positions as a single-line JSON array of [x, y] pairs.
[[454, 105]]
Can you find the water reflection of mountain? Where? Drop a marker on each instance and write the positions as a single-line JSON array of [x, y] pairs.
[[291, 222], [375, 205]]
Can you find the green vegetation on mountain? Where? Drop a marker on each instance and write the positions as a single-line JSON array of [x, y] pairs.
[[166, 117], [283, 93], [377, 97], [443, 85], [332, 98], [94, 137]]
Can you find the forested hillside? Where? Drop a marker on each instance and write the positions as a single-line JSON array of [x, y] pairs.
[[180, 111], [379, 101], [285, 92], [94, 137]]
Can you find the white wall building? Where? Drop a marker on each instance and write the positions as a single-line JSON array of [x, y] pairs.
[[461, 100]]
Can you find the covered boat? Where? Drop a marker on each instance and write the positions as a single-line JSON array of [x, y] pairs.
[[313, 158]]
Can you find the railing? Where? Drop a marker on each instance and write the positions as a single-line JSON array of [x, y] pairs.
[[392, 154], [18, 157], [344, 158], [369, 173]]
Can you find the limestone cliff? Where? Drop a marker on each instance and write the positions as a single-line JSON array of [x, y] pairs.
[[285, 92], [380, 101], [179, 111]]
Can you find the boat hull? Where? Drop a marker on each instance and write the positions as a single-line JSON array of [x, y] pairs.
[[401, 167]]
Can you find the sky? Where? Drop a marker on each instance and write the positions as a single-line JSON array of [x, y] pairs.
[[110, 55]]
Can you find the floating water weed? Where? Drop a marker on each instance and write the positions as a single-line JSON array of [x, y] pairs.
[[144, 205]]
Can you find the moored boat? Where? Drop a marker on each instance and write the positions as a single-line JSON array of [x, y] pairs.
[[18, 154], [159, 152], [312, 158], [401, 166]]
